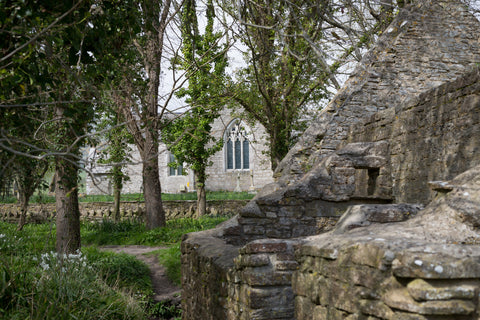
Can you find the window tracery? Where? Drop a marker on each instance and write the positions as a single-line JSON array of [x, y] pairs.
[[237, 145]]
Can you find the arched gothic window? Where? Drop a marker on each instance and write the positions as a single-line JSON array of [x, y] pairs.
[[237, 153], [174, 171]]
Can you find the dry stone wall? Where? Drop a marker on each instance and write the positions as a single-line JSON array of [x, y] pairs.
[[427, 267], [405, 122], [434, 136], [128, 210]]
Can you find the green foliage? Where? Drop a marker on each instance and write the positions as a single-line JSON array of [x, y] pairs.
[[165, 310], [120, 270], [36, 283], [204, 60], [282, 75]]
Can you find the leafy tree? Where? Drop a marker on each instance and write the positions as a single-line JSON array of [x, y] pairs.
[[46, 64], [205, 61], [26, 171], [294, 51], [141, 27]]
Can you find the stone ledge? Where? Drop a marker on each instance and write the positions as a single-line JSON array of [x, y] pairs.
[[400, 299], [422, 290]]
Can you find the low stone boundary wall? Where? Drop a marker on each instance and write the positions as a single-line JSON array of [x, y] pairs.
[[128, 209]]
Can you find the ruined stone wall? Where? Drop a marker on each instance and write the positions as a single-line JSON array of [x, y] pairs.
[[432, 137], [427, 267], [428, 43], [369, 281], [366, 266], [206, 261]]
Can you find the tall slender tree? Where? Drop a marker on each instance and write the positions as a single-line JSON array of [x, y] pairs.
[[204, 59], [141, 27], [116, 154]]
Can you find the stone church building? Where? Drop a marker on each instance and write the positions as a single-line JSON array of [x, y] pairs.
[[241, 165]]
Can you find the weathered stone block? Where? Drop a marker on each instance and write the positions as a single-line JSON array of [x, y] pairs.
[[253, 230], [367, 254], [280, 232], [267, 277], [364, 215], [252, 260], [258, 298], [430, 266], [407, 316], [400, 299], [376, 308], [316, 251], [422, 290], [265, 246], [286, 265]]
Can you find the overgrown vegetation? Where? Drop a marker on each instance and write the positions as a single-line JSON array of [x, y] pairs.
[[37, 283], [170, 259]]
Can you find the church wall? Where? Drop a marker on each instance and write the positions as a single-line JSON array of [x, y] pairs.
[[219, 178], [259, 174]]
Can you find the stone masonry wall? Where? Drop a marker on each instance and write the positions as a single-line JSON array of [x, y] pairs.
[[428, 43], [132, 209], [383, 259], [432, 137], [219, 178], [369, 281], [427, 267]]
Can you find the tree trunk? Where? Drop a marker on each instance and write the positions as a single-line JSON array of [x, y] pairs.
[[278, 147], [201, 194], [154, 213], [23, 210], [200, 178], [116, 202], [68, 213], [117, 180]]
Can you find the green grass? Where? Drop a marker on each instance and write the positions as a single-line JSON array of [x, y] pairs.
[[211, 195], [37, 284], [170, 259], [129, 232]]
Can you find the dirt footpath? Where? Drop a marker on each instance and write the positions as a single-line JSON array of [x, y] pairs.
[[163, 288]]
